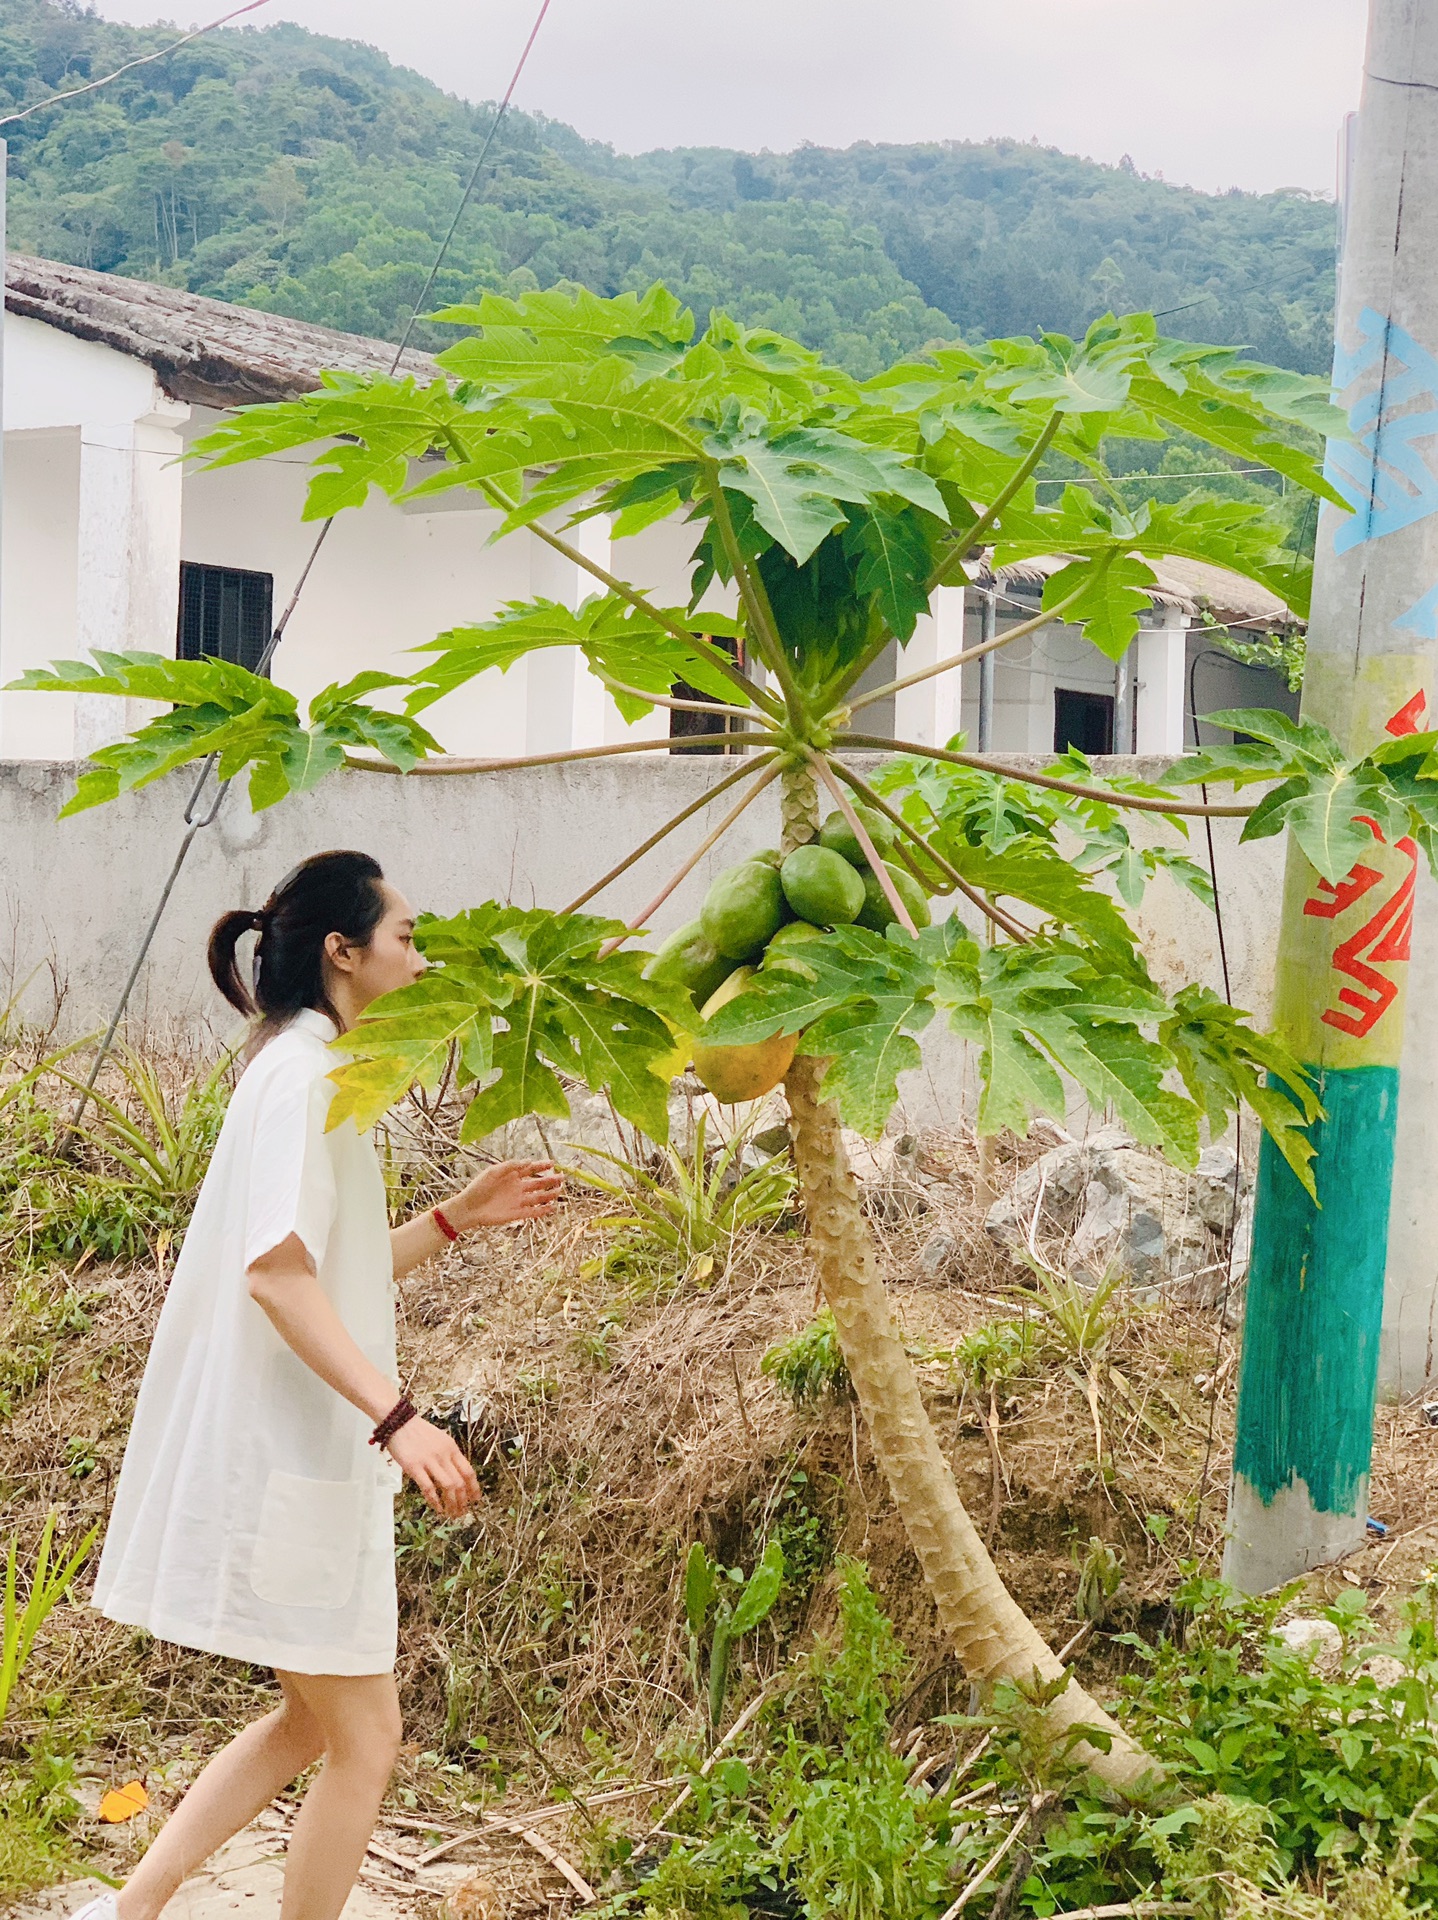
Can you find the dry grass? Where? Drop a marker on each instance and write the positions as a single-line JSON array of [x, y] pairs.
[[615, 1420]]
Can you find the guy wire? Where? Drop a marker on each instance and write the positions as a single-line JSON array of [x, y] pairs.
[[196, 822]]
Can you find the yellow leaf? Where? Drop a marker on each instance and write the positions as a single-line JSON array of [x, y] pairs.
[[123, 1803]]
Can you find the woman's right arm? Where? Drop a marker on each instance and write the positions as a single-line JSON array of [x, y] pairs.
[[283, 1284]]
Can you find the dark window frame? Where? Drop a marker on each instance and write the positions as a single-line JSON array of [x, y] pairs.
[[710, 727], [1083, 719], [225, 613]]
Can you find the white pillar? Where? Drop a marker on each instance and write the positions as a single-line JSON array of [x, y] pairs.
[[565, 705], [128, 553], [1159, 662], [929, 714]]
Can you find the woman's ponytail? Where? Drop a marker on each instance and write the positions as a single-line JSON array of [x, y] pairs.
[[329, 893], [225, 936]]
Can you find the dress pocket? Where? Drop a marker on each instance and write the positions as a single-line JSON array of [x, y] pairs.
[[308, 1541]]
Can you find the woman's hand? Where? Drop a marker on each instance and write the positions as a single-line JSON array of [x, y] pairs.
[[514, 1190], [437, 1467]]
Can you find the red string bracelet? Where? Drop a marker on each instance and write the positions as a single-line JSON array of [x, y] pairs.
[[399, 1415], [445, 1228]]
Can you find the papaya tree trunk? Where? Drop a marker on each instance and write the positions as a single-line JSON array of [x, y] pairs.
[[994, 1638]]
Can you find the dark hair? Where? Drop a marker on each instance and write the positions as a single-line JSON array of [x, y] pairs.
[[328, 893]]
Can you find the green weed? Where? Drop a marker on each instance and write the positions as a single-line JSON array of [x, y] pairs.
[[726, 1616], [810, 1365], [49, 1582], [38, 1811], [698, 1204]]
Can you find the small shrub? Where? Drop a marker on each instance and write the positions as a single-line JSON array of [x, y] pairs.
[[697, 1205], [38, 1812], [809, 1366]]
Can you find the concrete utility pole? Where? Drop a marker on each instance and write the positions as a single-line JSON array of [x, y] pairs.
[[1315, 1292]]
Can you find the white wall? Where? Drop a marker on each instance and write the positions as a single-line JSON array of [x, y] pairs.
[[91, 442], [38, 574]]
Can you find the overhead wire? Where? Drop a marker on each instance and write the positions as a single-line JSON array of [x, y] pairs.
[[144, 60], [194, 820]]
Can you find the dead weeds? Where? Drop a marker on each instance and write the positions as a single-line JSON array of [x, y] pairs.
[[615, 1417]]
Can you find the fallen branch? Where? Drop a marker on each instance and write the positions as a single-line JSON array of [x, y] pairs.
[[1125, 1908], [687, 1789], [516, 1823], [995, 1860], [556, 1859]]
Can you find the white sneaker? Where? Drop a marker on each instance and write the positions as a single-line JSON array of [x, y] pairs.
[[101, 1908]]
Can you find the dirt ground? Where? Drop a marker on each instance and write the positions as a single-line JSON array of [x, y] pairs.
[[616, 1413]]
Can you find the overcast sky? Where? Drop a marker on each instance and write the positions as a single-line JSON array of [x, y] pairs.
[[1210, 93]]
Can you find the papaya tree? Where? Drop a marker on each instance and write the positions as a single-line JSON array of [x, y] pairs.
[[833, 510]]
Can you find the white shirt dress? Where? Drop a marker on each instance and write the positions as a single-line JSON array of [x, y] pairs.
[[252, 1518]]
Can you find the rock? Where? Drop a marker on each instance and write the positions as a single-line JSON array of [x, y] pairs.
[[888, 1171], [1122, 1208], [1320, 1637], [589, 1131], [937, 1257]]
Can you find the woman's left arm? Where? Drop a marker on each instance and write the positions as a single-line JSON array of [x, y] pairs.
[[513, 1190]]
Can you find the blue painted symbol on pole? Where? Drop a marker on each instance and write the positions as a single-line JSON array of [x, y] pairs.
[[1384, 477], [1422, 617]]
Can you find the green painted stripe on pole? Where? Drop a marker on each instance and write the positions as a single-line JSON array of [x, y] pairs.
[[1315, 1293]]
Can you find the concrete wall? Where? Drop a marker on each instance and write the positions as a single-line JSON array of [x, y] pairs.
[[75, 895]]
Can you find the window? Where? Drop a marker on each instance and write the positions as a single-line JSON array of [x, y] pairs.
[[225, 614], [695, 726], [1083, 720]]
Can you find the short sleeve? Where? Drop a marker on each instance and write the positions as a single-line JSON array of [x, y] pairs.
[[292, 1180]]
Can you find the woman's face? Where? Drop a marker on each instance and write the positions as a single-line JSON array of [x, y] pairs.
[[391, 959]]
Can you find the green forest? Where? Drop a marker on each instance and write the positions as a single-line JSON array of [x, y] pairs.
[[310, 176]]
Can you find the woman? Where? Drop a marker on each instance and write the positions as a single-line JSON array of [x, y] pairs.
[[254, 1512]]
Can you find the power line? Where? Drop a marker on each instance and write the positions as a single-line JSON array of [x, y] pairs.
[[93, 86], [194, 821]]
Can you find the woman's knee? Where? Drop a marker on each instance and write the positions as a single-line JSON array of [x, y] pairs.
[[360, 1724], [301, 1733]]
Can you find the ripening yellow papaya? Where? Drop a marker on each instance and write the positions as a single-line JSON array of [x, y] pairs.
[[742, 1073]]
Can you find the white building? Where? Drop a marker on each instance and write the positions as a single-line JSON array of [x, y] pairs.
[[110, 542]]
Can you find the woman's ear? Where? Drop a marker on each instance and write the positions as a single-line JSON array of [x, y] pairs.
[[339, 952]]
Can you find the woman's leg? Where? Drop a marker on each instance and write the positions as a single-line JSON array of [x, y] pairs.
[[238, 1783], [359, 1722]]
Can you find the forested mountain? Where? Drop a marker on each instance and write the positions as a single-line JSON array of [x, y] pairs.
[[283, 169]]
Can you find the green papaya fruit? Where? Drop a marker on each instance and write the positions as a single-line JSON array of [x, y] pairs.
[[785, 952], [768, 856], [743, 909], [689, 959], [821, 886], [877, 912], [742, 1073], [840, 838]]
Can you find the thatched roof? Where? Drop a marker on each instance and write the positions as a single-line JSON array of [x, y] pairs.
[[204, 351], [1191, 586]]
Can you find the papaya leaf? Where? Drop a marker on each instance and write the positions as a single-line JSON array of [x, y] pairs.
[[892, 555], [1116, 590], [240, 717], [405, 1039], [1224, 1061], [760, 1592], [617, 641]]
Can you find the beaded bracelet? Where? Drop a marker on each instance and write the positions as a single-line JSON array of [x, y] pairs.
[[398, 1416]]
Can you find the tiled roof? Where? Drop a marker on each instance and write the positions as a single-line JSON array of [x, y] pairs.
[[205, 351]]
